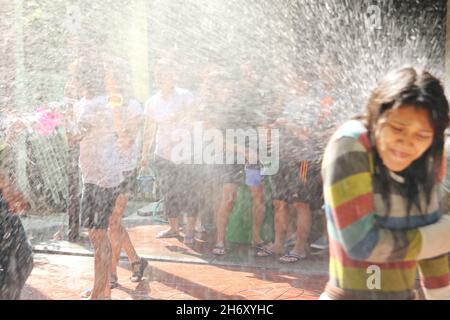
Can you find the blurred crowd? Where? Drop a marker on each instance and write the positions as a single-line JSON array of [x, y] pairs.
[[112, 138]]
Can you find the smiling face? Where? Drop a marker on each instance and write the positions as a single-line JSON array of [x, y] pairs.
[[402, 136]]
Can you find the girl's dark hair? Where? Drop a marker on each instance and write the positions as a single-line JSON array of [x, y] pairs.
[[411, 87]]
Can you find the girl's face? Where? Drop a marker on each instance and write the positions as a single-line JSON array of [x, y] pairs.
[[402, 136]]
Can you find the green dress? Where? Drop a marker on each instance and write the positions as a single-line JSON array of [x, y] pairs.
[[239, 229]]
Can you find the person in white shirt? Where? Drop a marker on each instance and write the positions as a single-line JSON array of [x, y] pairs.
[[165, 119], [100, 169], [127, 117]]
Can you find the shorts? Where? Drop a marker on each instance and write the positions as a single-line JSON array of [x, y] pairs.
[[97, 205], [175, 184], [253, 177], [298, 181], [127, 185]]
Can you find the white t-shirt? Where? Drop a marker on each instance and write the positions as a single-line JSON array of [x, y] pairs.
[[99, 157], [129, 158], [162, 112]]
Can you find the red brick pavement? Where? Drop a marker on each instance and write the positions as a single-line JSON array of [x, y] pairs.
[[65, 277]]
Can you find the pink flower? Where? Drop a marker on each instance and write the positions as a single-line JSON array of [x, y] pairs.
[[46, 121]]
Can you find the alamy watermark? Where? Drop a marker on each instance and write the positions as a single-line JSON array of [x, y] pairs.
[[252, 146], [373, 17], [374, 280]]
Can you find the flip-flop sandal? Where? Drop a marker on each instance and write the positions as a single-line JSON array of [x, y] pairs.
[[86, 294], [266, 252], [219, 250], [292, 258], [114, 283], [138, 268], [167, 234]]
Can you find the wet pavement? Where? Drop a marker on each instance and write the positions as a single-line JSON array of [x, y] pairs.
[[64, 277], [177, 271]]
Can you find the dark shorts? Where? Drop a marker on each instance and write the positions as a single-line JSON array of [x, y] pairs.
[[97, 204], [298, 182], [230, 173], [175, 182], [127, 185], [253, 176]]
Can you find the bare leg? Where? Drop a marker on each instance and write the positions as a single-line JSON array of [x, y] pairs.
[[281, 222], [257, 213], [190, 225], [128, 247], [120, 238], [102, 264], [173, 224], [116, 231], [304, 219], [226, 205]]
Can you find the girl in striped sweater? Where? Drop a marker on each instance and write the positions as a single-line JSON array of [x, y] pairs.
[[382, 180]]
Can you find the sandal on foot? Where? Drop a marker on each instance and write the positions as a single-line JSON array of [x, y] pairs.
[[168, 234], [292, 257], [86, 294], [114, 281], [259, 246], [219, 250], [138, 268], [265, 251]]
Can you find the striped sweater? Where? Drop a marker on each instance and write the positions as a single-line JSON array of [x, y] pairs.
[[374, 255]]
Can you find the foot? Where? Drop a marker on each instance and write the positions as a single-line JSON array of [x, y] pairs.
[[86, 295], [268, 251], [258, 245], [320, 244], [81, 238], [292, 257], [138, 268], [219, 249], [169, 233], [58, 236], [114, 281]]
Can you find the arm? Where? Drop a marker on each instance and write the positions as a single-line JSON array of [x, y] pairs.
[[347, 178], [435, 278]]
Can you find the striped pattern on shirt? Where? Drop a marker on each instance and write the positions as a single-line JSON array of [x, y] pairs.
[[362, 235]]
